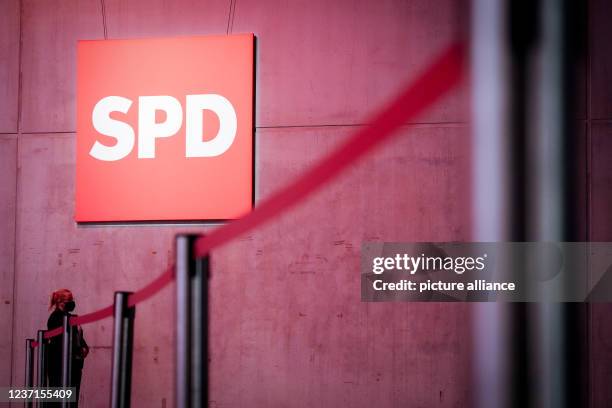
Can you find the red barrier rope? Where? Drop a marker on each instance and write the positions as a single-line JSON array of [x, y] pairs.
[[441, 76], [153, 287]]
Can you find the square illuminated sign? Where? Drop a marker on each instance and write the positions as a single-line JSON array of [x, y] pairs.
[[164, 129]]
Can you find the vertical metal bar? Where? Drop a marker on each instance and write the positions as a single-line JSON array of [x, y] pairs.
[[490, 180], [184, 267], [199, 337], [560, 329], [29, 368], [66, 355], [123, 344], [41, 380], [192, 325], [547, 207], [523, 38], [42, 361], [29, 364]]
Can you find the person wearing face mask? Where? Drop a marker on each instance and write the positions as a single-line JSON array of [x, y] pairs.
[[62, 303]]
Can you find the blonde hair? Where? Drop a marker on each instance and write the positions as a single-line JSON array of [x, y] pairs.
[[59, 296]]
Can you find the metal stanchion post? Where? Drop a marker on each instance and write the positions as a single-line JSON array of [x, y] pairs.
[[123, 342], [29, 368], [199, 335], [184, 264], [192, 325], [66, 356], [41, 380]]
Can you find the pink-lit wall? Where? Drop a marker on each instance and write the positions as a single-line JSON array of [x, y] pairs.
[[288, 327]]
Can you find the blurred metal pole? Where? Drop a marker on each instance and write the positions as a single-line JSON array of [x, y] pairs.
[[192, 325], [560, 328], [548, 207], [123, 344], [29, 368], [41, 380], [66, 356], [524, 187], [183, 329], [42, 362], [523, 37], [199, 339], [490, 194]]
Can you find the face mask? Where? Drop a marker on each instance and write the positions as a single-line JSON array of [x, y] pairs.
[[69, 306]]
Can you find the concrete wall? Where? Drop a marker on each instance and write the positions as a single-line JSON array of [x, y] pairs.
[[287, 325], [288, 328]]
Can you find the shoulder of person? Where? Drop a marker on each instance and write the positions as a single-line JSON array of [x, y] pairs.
[[54, 318]]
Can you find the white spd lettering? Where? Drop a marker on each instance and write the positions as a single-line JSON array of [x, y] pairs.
[[149, 130]]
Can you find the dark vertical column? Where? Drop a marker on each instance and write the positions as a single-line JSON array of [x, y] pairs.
[[123, 344], [184, 264], [42, 361], [199, 335], [29, 368], [560, 331], [545, 336], [575, 314], [41, 380], [571, 18], [66, 355], [523, 37], [191, 325]]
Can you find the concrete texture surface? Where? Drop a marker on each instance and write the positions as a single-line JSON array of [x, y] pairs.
[[601, 60], [8, 179], [9, 68], [601, 202]]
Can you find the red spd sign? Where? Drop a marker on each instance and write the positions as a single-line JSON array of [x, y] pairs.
[[164, 129]]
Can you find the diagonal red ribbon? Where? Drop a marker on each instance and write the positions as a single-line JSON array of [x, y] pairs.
[[441, 76]]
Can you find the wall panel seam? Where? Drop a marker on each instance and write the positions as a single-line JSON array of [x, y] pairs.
[[103, 10], [229, 17], [408, 124]]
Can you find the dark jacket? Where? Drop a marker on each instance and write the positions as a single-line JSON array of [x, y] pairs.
[[54, 351]]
